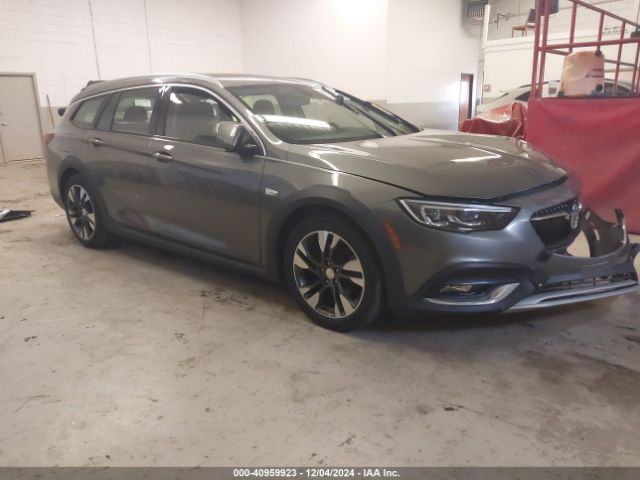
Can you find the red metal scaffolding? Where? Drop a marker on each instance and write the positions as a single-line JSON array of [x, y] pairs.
[[596, 138], [541, 47]]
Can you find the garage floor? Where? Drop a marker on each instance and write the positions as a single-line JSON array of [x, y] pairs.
[[135, 356]]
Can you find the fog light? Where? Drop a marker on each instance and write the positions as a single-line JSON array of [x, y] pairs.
[[456, 288]]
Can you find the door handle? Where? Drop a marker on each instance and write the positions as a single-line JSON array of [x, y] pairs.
[[96, 142], [162, 156], [2, 124]]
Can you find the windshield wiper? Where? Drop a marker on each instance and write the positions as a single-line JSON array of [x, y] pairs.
[[381, 110], [347, 102]]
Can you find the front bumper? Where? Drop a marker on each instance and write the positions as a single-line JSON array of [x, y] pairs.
[[560, 279], [608, 272], [514, 270]]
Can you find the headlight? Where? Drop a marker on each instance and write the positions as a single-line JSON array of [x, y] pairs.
[[458, 217]]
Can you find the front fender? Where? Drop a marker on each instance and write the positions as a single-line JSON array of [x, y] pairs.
[[352, 196]]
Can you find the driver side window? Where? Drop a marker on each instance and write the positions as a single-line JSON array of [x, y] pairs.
[[193, 115]]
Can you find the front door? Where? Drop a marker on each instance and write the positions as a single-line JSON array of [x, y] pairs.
[[20, 132], [209, 197]]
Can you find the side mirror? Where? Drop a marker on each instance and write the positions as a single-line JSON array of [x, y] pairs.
[[61, 111], [234, 137]]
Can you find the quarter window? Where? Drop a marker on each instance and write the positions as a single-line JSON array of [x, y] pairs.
[[193, 115], [86, 115], [134, 109]]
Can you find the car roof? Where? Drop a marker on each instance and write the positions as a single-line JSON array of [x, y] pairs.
[[219, 80]]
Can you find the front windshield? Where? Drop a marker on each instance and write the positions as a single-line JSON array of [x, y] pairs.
[[297, 113]]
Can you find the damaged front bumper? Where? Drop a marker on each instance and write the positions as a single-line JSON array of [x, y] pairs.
[[557, 278], [608, 272]]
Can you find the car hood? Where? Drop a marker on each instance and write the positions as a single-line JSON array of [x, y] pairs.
[[439, 164]]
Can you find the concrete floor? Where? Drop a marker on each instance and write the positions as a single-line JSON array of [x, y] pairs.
[[135, 356]]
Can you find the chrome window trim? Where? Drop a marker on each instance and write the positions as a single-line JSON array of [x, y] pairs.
[[121, 89], [111, 92], [162, 86]]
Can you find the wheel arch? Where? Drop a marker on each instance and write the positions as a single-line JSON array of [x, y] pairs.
[[350, 210], [72, 165], [64, 178], [69, 167]]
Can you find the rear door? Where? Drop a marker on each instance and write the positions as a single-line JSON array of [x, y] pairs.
[[210, 197], [119, 155]]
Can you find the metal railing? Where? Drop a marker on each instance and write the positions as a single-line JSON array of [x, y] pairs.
[[542, 47]]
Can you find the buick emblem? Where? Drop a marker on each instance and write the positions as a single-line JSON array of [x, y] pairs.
[[574, 216]]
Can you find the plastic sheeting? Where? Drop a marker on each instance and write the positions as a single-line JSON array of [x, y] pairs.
[[599, 140], [509, 121]]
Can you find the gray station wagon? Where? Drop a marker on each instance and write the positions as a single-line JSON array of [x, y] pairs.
[[353, 207]]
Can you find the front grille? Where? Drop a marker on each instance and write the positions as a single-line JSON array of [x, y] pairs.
[[554, 224]]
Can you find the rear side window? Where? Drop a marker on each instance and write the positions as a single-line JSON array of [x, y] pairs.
[[133, 110], [86, 115]]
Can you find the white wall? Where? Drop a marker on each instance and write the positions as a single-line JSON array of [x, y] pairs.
[[203, 36], [408, 52], [55, 39], [340, 42], [52, 39], [429, 48]]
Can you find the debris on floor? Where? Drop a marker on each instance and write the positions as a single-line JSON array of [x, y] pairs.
[[6, 214]]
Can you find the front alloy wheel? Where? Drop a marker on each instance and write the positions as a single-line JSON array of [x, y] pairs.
[[332, 272], [328, 274]]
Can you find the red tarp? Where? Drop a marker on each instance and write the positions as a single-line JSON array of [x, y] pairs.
[[509, 121], [599, 140]]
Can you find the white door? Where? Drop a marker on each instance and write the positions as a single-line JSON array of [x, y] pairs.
[[20, 133]]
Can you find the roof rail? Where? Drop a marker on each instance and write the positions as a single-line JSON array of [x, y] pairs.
[[91, 82]]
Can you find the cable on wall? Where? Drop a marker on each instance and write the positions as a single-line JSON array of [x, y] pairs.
[[93, 36], [146, 24]]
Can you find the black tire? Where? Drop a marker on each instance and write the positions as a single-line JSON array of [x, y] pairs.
[[87, 221], [349, 242]]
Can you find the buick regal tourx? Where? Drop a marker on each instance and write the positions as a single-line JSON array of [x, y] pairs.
[[353, 207]]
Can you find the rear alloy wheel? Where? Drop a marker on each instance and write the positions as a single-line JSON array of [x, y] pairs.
[[83, 213], [333, 274]]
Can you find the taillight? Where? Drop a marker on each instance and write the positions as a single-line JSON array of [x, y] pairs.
[[48, 137]]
